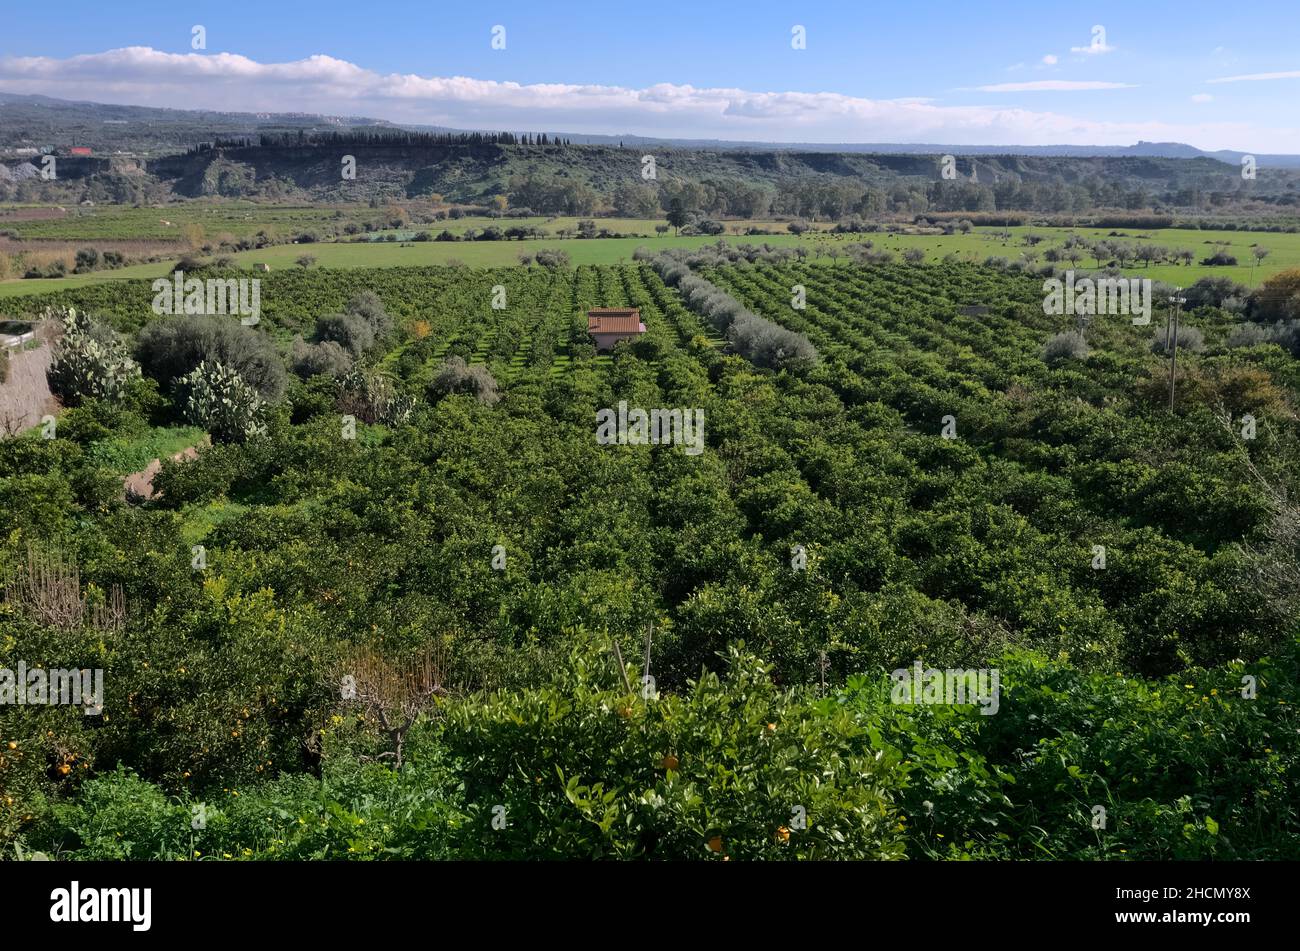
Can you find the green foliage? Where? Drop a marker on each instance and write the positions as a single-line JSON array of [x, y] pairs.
[[1188, 767], [318, 359], [216, 398], [969, 552], [587, 771], [371, 398], [170, 348], [89, 362], [348, 331], [1067, 345], [454, 376]]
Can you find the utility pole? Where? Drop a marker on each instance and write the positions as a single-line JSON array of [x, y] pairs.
[[647, 682], [1171, 340]]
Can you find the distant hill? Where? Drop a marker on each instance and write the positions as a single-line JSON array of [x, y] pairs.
[[34, 120], [1141, 149], [531, 174], [141, 154], [42, 122]]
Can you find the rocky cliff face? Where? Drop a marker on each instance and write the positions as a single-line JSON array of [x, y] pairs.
[[320, 170]]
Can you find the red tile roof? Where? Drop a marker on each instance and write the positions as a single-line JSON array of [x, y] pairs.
[[614, 320]]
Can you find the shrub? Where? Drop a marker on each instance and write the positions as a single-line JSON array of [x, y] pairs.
[[172, 347], [1188, 338], [217, 398], [371, 398], [348, 331], [1248, 335], [553, 257], [87, 259], [314, 359], [769, 345], [370, 308], [1214, 292], [89, 362], [1069, 345], [1278, 298], [755, 338], [718, 771], [454, 376]]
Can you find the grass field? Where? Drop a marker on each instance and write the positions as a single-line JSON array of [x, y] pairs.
[[982, 243], [239, 219]]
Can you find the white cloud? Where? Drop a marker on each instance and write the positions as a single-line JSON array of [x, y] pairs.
[[1093, 49], [326, 85], [1054, 85], [1202, 97], [1050, 59], [1257, 77]]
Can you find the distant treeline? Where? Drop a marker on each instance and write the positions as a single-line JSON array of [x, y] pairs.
[[386, 137]]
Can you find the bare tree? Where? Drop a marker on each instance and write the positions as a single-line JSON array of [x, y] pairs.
[[11, 424], [394, 695], [48, 587]]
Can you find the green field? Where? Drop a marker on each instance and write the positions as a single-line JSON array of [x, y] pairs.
[[976, 246], [238, 219]]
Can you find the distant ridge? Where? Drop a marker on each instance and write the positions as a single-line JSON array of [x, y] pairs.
[[36, 114]]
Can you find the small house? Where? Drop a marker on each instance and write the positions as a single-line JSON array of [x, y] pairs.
[[609, 325]]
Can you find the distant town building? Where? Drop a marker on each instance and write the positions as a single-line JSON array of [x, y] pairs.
[[79, 150], [609, 325]]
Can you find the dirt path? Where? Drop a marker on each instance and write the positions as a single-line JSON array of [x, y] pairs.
[[140, 484]]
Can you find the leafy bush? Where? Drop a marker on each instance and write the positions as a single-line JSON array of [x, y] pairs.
[[349, 331], [371, 398], [1187, 338], [1248, 335], [585, 769], [552, 257], [370, 308], [172, 347], [89, 362], [1278, 298], [313, 359], [1214, 292], [730, 767], [215, 397], [1069, 345], [762, 341], [454, 376], [769, 345]]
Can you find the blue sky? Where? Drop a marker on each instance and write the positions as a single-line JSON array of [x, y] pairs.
[[926, 71]]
